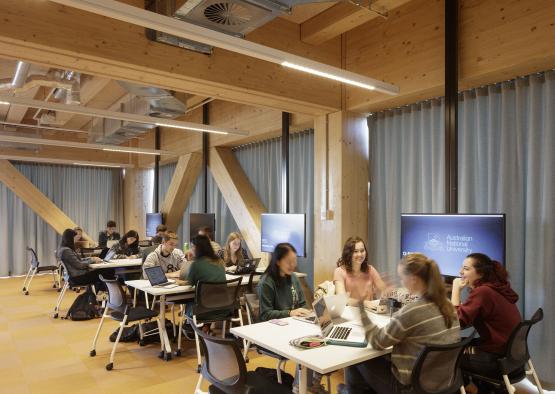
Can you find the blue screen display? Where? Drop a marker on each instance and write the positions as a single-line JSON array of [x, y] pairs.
[[448, 239], [278, 228], [152, 221]]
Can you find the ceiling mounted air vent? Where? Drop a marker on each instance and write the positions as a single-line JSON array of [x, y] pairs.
[[229, 14]]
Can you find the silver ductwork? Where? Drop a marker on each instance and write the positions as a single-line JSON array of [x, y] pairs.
[[20, 76], [143, 100], [71, 96]]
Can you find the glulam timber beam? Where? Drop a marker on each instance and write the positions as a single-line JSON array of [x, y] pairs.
[[181, 188], [63, 37]]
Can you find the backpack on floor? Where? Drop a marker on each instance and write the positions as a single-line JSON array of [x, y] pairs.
[[85, 307]]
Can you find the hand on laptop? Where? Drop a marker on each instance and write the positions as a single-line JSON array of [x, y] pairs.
[[300, 312], [172, 275], [96, 260]]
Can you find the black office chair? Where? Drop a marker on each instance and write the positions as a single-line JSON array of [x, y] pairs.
[[224, 367], [211, 297], [437, 369], [511, 366], [252, 303], [36, 268], [119, 309]]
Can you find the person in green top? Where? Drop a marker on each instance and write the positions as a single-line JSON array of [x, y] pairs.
[[206, 267], [279, 289]]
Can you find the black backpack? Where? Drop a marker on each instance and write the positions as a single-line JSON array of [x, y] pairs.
[[85, 307]]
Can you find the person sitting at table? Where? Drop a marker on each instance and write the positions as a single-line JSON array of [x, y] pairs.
[[490, 308], [79, 240], [209, 232], [128, 246], [233, 254], [354, 273], [167, 256], [78, 269], [161, 229], [206, 267], [109, 234], [430, 320]]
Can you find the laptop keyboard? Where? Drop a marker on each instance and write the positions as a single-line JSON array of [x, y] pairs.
[[340, 333]]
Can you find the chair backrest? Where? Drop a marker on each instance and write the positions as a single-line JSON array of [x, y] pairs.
[[436, 370], [253, 307], [516, 354], [146, 251], [250, 285], [34, 259], [223, 363], [117, 299], [217, 296]]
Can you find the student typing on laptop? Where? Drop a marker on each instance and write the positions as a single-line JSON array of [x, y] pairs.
[[430, 320], [167, 256]]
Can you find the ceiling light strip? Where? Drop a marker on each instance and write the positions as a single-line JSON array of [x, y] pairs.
[[50, 160], [81, 145], [126, 117], [137, 16]]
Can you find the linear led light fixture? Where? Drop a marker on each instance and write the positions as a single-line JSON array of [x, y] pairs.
[[127, 117], [81, 145], [52, 160], [137, 16], [43, 127]]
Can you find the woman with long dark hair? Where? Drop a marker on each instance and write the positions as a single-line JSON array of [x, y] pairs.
[[354, 273], [490, 308], [78, 269], [128, 246], [430, 320], [279, 288]]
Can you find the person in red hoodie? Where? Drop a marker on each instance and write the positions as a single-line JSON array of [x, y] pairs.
[[490, 308]]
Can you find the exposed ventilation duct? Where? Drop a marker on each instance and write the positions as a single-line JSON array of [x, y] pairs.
[[143, 100], [234, 17]]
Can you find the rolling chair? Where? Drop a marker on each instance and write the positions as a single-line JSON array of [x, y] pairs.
[[68, 283], [437, 369], [214, 297], [36, 268], [224, 367], [119, 309], [511, 366]]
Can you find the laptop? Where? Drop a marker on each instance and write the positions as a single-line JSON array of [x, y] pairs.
[[336, 305], [111, 253], [157, 277], [338, 334], [249, 266]]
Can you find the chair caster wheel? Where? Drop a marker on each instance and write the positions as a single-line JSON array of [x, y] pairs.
[[167, 357], [142, 343], [55, 316], [161, 355], [178, 353], [198, 368], [54, 286], [109, 367], [23, 289], [59, 289], [247, 360], [92, 353], [27, 293]]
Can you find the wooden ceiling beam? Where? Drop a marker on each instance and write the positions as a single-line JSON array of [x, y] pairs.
[[63, 37]]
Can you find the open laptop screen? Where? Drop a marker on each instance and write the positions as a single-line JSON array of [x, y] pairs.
[[155, 275], [322, 314]]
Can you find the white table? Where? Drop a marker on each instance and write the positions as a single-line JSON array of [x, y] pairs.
[[119, 263], [323, 360], [186, 292]]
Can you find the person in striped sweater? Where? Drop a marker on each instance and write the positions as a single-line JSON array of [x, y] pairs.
[[430, 320]]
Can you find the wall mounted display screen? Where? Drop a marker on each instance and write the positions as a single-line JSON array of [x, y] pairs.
[[448, 239], [152, 221], [199, 220], [282, 227]]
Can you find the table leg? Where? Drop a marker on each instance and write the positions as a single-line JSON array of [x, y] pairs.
[[164, 340], [303, 380]]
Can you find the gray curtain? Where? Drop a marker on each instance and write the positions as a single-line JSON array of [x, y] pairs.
[[89, 196], [506, 164], [261, 162], [406, 174]]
